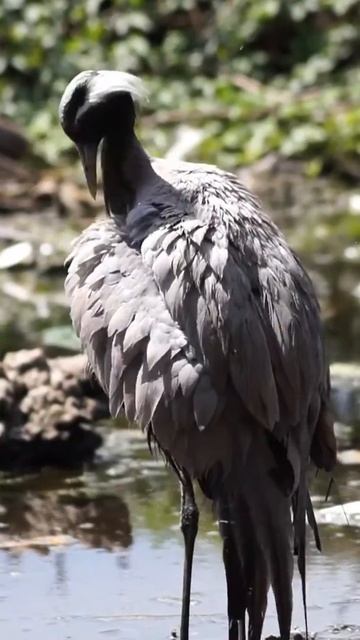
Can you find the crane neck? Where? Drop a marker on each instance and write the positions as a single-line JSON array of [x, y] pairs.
[[127, 172]]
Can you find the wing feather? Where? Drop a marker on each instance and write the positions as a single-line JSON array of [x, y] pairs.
[[140, 354], [177, 315], [247, 308]]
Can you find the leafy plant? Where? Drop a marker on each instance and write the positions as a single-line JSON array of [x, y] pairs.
[[255, 77]]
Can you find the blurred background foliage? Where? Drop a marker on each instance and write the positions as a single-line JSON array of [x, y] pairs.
[[253, 77]]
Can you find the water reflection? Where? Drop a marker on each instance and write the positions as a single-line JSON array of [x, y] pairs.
[[42, 518], [134, 591], [96, 506]]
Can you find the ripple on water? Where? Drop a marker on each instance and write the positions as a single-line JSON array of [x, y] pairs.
[[119, 574]]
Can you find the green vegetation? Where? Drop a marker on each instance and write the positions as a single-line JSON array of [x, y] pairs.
[[253, 76]]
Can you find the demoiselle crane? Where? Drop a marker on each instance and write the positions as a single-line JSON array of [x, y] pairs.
[[201, 324]]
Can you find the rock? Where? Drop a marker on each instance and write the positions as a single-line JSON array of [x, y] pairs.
[[344, 434], [45, 189], [349, 456], [13, 142], [349, 371], [17, 362], [20, 254], [345, 382], [47, 406], [340, 515], [39, 397], [6, 396]]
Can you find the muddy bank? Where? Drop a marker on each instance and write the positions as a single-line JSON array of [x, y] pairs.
[[47, 407]]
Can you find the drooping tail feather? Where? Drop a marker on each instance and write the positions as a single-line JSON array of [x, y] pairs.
[[312, 521], [252, 561], [246, 571], [259, 522], [256, 497]]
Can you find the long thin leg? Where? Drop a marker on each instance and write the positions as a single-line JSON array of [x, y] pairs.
[[189, 528], [235, 586], [257, 596]]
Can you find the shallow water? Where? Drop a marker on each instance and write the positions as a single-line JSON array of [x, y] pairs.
[[118, 573]]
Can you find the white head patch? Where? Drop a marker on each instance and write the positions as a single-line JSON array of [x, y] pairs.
[[103, 82]]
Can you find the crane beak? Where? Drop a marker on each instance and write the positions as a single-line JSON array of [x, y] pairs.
[[88, 157]]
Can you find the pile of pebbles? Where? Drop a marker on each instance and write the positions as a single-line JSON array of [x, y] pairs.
[[47, 410]]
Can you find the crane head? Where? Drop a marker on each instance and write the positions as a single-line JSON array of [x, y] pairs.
[[95, 105]]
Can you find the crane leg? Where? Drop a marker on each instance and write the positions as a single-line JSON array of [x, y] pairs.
[[235, 588], [189, 527]]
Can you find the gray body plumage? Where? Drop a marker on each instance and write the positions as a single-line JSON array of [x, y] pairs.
[[201, 324], [191, 308]]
